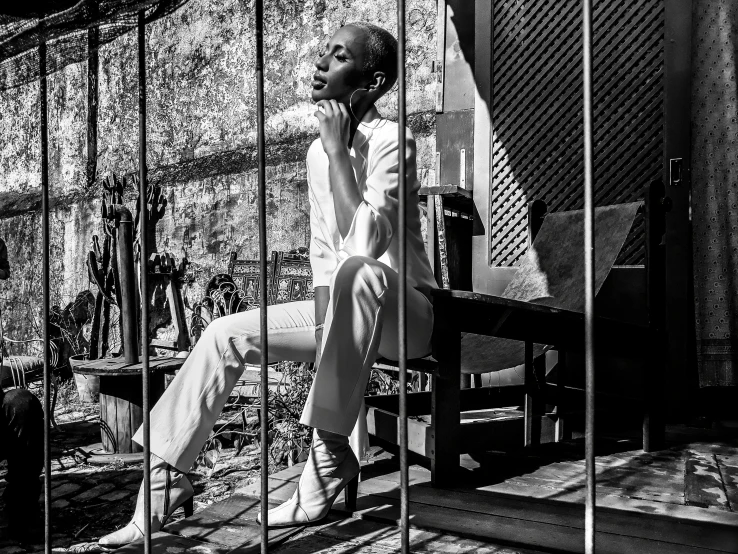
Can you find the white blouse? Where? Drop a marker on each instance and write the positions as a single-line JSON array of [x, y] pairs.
[[374, 157]]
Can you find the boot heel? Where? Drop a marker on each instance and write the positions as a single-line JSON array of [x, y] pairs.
[[189, 506], [350, 493]]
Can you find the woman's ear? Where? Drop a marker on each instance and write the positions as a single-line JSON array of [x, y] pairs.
[[377, 82]]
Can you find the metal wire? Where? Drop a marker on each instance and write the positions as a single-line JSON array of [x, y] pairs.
[[589, 293], [402, 290], [43, 101], [144, 279], [261, 157]]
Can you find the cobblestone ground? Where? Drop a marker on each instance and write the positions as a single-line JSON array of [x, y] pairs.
[[89, 501]]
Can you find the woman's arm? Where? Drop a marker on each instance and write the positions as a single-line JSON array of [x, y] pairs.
[[366, 222], [335, 133], [346, 196]]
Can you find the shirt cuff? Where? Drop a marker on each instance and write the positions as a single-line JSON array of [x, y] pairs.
[[365, 236]]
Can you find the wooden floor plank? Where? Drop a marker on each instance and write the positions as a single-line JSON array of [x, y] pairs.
[[164, 543], [729, 470], [703, 483], [610, 518], [640, 501], [516, 531], [362, 533], [230, 523], [279, 490], [692, 526]]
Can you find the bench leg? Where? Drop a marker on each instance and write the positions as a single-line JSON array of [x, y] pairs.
[[446, 410], [654, 428], [563, 431], [535, 383]]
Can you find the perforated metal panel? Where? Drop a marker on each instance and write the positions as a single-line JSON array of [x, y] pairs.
[[537, 112]]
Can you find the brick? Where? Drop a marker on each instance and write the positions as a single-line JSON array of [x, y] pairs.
[[133, 477], [64, 490], [94, 492], [115, 495]]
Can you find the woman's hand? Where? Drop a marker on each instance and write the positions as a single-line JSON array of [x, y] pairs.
[[322, 297], [335, 126]]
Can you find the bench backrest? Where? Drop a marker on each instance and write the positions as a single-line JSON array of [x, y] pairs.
[[289, 276]]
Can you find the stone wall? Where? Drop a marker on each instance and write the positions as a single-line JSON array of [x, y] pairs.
[[201, 136]]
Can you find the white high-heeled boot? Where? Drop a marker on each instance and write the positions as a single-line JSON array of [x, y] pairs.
[[170, 489], [331, 467]]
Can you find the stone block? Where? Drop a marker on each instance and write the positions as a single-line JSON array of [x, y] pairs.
[[115, 496], [64, 489], [94, 492]]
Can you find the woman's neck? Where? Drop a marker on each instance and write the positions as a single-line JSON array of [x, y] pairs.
[[357, 112]]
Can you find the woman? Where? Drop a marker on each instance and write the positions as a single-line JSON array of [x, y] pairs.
[[354, 253]]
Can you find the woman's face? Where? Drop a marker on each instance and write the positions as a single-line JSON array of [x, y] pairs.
[[340, 67]]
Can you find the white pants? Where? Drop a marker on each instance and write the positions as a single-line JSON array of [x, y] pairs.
[[360, 325]]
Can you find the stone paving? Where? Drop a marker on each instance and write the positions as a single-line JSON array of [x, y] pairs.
[[89, 501]]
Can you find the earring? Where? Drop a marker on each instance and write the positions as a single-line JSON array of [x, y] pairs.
[[350, 108]]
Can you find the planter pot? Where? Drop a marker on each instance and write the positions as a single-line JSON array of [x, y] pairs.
[[88, 386]]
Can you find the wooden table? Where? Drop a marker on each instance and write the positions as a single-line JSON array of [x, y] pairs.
[[121, 396]]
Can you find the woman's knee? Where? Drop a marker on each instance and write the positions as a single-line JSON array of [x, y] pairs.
[[226, 327], [361, 268]]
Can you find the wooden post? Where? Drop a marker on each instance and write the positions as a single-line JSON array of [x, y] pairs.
[[654, 380], [92, 101], [679, 322], [445, 400]]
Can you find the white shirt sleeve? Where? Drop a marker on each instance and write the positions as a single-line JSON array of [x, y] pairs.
[[375, 220], [323, 258]]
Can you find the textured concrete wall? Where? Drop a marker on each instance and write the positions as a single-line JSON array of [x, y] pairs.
[[201, 136]]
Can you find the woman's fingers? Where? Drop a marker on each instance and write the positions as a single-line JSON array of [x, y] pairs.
[[327, 107], [343, 110]]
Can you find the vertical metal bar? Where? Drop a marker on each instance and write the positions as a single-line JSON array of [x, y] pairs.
[[402, 292], [144, 279], [43, 101], [261, 158], [589, 507]]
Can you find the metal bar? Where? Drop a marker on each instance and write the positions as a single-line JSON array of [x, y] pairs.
[[589, 293], [261, 158], [402, 291], [143, 238], [43, 101]]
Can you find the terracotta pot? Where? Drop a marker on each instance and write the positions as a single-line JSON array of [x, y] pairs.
[[88, 386]]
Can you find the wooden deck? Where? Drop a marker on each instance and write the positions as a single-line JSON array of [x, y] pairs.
[[680, 500]]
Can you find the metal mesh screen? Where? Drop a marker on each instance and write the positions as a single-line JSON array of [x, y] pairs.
[[537, 112], [65, 30]]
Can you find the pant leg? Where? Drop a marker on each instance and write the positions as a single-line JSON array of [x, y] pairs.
[[185, 414], [361, 323], [22, 434]]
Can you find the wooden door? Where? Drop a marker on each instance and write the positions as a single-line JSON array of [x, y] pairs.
[[528, 132]]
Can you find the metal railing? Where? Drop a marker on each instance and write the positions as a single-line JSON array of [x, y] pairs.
[[144, 278], [43, 106], [402, 323], [589, 281]]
